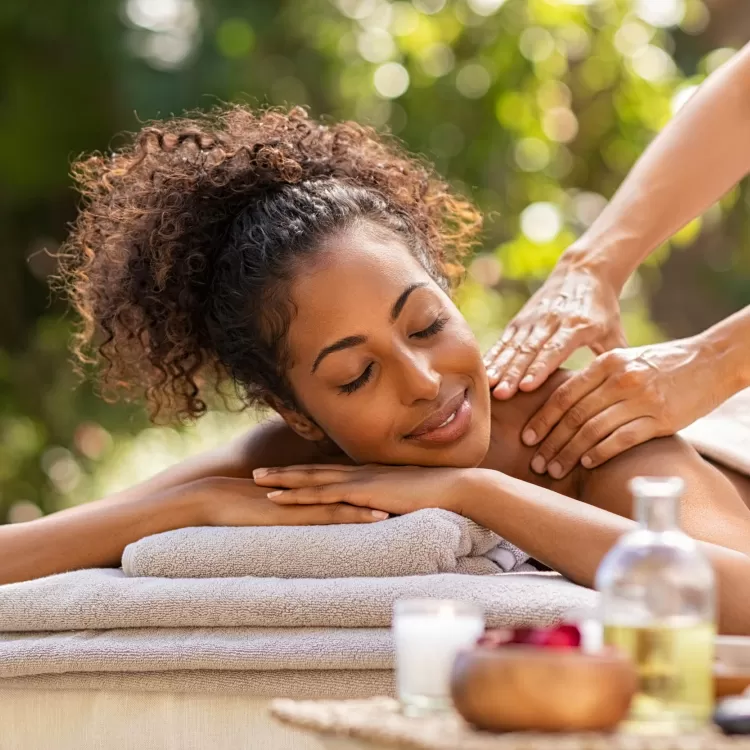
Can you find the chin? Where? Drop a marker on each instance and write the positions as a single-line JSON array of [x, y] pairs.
[[468, 455]]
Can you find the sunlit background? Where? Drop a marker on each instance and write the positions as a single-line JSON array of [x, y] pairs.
[[535, 108]]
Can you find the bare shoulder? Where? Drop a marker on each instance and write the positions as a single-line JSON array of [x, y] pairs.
[[274, 443], [712, 509], [507, 451], [514, 413]]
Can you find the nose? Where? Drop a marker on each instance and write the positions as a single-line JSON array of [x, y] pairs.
[[420, 381]]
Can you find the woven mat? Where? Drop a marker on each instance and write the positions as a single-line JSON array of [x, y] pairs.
[[379, 720]]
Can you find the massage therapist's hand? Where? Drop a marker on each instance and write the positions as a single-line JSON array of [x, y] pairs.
[[225, 501], [575, 307], [623, 398], [393, 489]]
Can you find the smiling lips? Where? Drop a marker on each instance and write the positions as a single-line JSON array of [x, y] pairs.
[[447, 424]]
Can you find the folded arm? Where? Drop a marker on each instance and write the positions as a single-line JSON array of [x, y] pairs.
[[210, 489]]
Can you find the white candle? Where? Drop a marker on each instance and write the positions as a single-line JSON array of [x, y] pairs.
[[428, 635]]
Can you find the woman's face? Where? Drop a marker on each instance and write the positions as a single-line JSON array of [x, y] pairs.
[[382, 360]]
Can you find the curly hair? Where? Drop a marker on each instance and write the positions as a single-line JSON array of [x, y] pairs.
[[180, 258]]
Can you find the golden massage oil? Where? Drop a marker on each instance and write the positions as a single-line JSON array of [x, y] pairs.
[[674, 666], [658, 608]]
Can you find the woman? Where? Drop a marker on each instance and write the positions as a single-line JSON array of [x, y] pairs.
[[310, 267], [626, 397]]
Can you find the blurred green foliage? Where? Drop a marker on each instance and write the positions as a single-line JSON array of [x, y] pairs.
[[534, 108]]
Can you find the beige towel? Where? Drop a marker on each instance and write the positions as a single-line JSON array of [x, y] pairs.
[[190, 649], [428, 541], [104, 599], [724, 434]]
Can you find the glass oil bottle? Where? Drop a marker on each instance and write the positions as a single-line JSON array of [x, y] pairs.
[[658, 607]]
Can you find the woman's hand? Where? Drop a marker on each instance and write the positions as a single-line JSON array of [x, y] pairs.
[[392, 489], [575, 307], [224, 501], [622, 399]]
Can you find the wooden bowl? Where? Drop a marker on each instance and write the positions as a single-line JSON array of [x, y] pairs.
[[517, 688], [730, 683]]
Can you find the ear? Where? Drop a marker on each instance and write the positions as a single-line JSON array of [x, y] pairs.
[[299, 422]]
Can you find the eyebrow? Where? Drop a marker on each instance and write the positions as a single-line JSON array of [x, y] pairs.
[[350, 341]]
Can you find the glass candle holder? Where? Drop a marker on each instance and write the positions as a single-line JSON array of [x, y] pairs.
[[428, 634]]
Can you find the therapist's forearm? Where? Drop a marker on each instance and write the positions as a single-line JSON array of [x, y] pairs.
[[727, 345], [693, 162]]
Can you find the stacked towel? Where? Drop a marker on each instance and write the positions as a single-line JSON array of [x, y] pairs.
[[89, 623], [428, 541], [255, 609], [234, 610]]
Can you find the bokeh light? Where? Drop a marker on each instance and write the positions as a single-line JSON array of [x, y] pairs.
[[391, 80], [376, 45], [662, 13], [485, 7], [541, 222], [473, 80]]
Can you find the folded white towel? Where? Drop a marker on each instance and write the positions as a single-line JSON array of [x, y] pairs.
[[189, 649], [427, 541], [98, 599]]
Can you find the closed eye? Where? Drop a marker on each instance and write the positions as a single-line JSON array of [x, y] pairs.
[[359, 382], [425, 333], [431, 330]]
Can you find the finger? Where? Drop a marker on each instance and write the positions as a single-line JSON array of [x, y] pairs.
[[526, 354], [556, 349], [505, 358], [571, 423], [561, 401], [304, 475], [633, 433], [509, 332], [594, 431], [323, 494], [502, 351], [489, 361], [334, 513]]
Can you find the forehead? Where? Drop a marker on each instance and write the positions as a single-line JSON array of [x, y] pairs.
[[350, 286]]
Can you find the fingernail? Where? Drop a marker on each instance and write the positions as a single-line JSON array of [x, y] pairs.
[[275, 493], [586, 462], [528, 380], [555, 470], [538, 464], [258, 473], [529, 437], [504, 388], [380, 515]]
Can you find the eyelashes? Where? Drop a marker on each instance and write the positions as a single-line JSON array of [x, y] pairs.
[[431, 330], [359, 382]]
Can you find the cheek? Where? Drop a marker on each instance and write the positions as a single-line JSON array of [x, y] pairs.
[[460, 351], [361, 429]]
